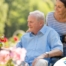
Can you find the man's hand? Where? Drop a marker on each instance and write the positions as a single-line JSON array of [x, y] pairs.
[[39, 57], [34, 62]]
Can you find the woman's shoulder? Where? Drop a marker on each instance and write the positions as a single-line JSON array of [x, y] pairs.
[[50, 14]]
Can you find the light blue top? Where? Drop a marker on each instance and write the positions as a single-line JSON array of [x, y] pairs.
[[47, 39], [60, 27]]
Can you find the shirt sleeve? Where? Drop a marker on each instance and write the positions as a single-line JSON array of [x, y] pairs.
[[47, 18], [54, 41], [19, 44]]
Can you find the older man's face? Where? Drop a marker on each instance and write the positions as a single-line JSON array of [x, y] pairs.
[[33, 24]]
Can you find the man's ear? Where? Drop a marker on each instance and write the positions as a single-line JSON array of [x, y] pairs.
[[41, 23]]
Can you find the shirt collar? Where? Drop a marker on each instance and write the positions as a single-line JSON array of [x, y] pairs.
[[43, 30]]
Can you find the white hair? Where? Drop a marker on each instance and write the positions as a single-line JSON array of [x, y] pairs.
[[39, 15]]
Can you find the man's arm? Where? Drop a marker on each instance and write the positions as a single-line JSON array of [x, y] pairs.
[[55, 44], [53, 53], [19, 44]]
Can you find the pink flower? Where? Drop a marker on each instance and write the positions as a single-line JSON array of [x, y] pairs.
[[4, 56], [18, 54]]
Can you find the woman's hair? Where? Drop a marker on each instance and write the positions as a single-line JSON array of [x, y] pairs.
[[64, 2]]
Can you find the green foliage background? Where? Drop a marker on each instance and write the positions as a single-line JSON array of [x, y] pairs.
[[13, 13]]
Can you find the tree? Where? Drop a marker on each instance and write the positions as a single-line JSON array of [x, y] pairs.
[[3, 15], [17, 16], [18, 12]]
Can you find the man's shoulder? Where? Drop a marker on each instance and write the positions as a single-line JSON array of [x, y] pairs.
[[52, 32], [50, 29], [27, 33]]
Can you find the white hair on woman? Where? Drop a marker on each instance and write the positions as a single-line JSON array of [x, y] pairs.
[[38, 14]]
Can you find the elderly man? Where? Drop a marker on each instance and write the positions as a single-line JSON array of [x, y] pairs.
[[41, 43]]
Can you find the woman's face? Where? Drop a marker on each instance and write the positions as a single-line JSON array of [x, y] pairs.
[[59, 7]]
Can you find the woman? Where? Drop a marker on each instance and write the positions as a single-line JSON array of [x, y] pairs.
[[57, 19]]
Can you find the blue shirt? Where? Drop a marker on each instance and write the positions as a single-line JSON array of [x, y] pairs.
[[47, 39]]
